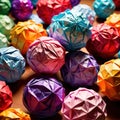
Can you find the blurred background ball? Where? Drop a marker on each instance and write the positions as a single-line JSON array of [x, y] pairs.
[[103, 8], [21, 9], [47, 9]]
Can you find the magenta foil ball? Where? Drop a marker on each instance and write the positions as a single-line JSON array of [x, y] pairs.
[[43, 97], [80, 69], [83, 104], [21, 9], [46, 55]]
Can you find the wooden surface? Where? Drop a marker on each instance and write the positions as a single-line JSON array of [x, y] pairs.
[[113, 108]]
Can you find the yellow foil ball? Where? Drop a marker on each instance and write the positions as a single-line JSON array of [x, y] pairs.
[[24, 33], [109, 79]]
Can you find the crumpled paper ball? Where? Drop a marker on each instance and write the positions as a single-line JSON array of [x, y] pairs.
[[104, 42], [43, 96], [24, 33], [85, 11], [5, 7], [14, 114], [117, 3], [21, 9], [80, 69], [46, 55], [103, 8], [12, 64], [3, 41], [6, 24], [36, 18], [34, 2], [83, 104], [114, 20], [70, 30], [5, 96], [47, 9], [109, 79]]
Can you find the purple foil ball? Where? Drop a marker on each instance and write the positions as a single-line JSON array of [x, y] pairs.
[[43, 97], [80, 69], [21, 9]]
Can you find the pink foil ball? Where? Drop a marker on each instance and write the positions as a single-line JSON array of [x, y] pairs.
[[46, 55], [105, 41], [5, 96], [46, 9], [83, 104]]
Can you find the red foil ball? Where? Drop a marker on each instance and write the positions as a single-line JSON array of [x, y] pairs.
[[47, 9], [117, 3], [5, 96], [104, 42]]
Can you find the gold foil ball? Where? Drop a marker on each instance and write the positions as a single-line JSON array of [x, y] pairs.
[[14, 114], [109, 79], [114, 20], [24, 33]]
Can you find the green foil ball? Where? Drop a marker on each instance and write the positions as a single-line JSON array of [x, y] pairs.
[[3, 41], [6, 24], [5, 7]]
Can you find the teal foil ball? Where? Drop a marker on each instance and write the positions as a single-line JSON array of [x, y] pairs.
[[6, 24], [3, 41], [5, 7], [103, 8], [12, 64], [71, 30]]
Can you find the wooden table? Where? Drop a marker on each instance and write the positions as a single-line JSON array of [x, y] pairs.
[[113, 108]]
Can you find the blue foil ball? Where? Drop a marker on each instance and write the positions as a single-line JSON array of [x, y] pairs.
[[80, 69], [103, 8], [12, 64], [71, 30]]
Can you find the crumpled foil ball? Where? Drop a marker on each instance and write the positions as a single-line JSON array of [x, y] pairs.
[[5, 7], [36, 18], [80, 69], [12, 64], [34, 2], [47, 9], [104, 42], [3, 41], [43, 96], [46, 55], [24, 33], [6, 24], [14, 114], [5, 96], [85, 11], [21, 9], [103, 8], [70, 30], [109, 79], [117, 3], [83, 104], [114, 20]]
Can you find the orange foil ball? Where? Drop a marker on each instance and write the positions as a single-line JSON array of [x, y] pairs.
[[114, 20], [24, 33], [109, 79]]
